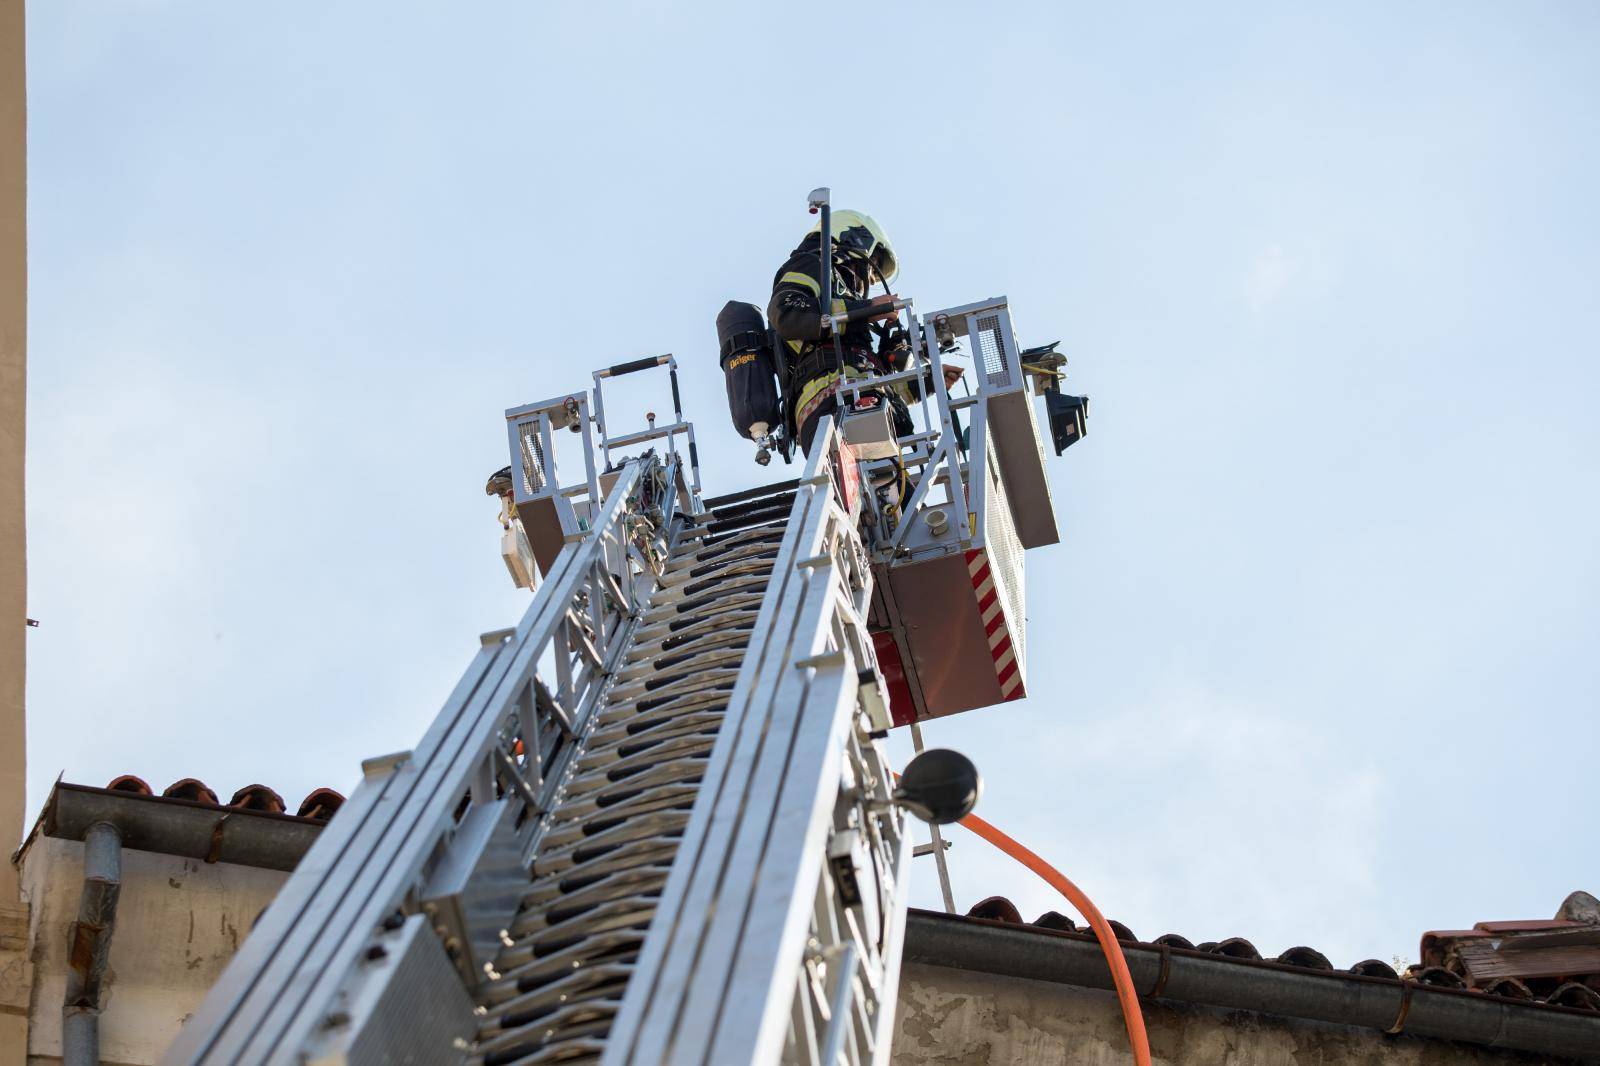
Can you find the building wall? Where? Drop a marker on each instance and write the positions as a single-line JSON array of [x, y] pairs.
[[14, 977], [178, 923], [949, 1017]]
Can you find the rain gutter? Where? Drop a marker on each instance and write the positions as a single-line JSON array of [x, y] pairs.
[[1387, 1005]]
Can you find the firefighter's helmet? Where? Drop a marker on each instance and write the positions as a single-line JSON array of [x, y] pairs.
[[858, 236]]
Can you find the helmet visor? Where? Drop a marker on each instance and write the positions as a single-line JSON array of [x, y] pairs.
[[856, 242], [883, 262]]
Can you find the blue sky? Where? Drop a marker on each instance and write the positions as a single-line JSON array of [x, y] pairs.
[[1315, 661]]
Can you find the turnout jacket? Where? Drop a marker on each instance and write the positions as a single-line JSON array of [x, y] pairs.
[[796, 315]]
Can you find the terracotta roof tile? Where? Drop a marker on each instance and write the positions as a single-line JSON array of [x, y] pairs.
[[1554, 960], [1526, 958], [129, 783], [257, 798], [1309, 958], [190, 788], [319, 805]]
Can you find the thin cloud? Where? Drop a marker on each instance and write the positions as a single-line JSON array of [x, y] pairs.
[[1260, 826], [1269, 276]]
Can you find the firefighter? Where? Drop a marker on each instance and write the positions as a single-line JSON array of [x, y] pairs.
[[862, 257]]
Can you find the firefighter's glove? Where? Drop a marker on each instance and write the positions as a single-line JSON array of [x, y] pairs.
[[895, 348]]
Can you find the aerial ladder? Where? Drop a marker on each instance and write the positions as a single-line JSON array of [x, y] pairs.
[[655, 821]]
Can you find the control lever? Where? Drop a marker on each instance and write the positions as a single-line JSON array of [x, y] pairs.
[[882, 307]]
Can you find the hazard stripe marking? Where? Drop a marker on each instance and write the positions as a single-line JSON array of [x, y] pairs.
[[1007, 656], [996, 629]]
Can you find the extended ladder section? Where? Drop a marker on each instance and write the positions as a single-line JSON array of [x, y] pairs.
[[371, 950], [612, 836], [679, 848], [778, 933]]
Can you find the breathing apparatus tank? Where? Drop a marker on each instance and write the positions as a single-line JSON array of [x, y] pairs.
[[749, 372]]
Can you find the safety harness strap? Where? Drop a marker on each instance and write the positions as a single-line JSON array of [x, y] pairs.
[[749, 341]]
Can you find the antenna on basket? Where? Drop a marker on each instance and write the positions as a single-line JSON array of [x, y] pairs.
[[819, 202]]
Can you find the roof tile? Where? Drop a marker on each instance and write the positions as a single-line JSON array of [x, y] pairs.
[[1553, 960], [319, 805], [190, 788], [257, 798]]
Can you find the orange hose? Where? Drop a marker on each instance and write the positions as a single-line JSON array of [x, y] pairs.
[[1132, 1014]]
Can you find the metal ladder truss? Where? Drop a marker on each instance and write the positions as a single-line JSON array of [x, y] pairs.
[[611, 838], [682, 850], [368, 952], [777, 936], [733, 720]]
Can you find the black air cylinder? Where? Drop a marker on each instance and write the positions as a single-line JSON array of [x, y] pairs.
[[747, 368]]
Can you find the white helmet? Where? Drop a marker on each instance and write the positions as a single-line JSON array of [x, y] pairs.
[[858, 236]]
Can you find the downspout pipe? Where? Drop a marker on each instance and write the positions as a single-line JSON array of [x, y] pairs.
[[91, 945], [1383, 1004]]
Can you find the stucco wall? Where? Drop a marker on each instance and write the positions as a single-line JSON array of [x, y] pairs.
[[950, 1017], [179, 921], [13, 570]]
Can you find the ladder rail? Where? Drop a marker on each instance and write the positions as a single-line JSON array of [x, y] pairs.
[[373, 860], [754, 913], [596, 874]]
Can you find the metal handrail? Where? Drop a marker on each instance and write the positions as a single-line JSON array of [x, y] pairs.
[[504, 736], [752, 905], [942, 463]]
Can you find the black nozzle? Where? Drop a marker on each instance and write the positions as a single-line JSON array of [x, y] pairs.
[[939, 786]]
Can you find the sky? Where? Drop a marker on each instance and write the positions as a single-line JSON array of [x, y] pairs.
[[1315, 660]]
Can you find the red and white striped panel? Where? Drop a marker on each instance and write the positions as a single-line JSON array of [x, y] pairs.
[[995, 626]]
